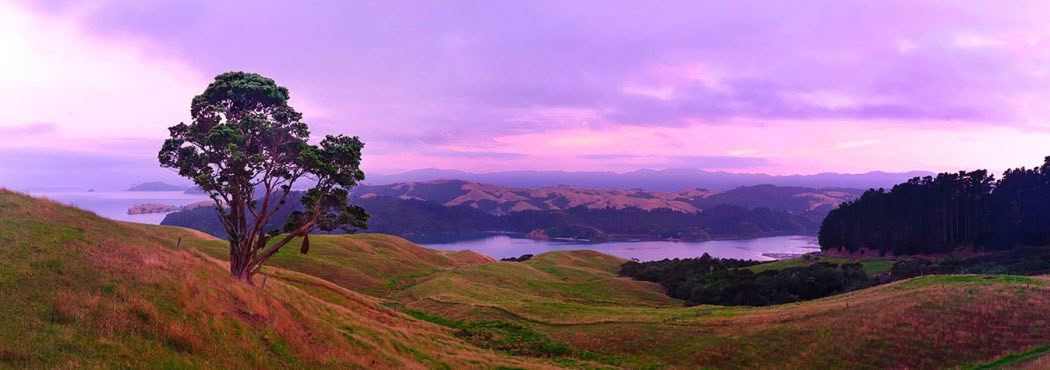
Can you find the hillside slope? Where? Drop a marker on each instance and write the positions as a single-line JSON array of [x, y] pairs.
[[367, 263], [660, 180], [89, 292], [82, 291], [390, 267], [929, 322], [554, 284], [499, 200], [413, 217], [496, 199], [575, 298]]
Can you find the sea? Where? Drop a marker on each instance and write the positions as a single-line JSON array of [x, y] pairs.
[[114, 205]]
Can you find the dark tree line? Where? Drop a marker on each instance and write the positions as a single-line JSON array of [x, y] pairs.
[[523, 258], [942, 213], [708, 280], [724, 221]]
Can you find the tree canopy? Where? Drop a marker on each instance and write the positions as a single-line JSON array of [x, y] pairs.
[[942, 213], [246, 148]]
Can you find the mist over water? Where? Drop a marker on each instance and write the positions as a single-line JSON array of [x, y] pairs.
[[114, 204]]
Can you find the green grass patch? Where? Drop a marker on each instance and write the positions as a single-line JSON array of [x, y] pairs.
[[980, 280], [872, 266], [512, 338], [877, 266], [1013, 359], [429, 362], [516, 339], [456, 324], [408, 280], [500, 335]]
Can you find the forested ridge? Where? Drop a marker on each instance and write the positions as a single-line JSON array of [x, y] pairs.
[[408, 217], [946, 212]]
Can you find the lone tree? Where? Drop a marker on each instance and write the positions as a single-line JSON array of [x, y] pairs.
[[246, 145]]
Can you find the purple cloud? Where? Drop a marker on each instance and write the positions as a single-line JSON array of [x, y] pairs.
[[37, 128], [685, 161], [425, 76], [489, 56]]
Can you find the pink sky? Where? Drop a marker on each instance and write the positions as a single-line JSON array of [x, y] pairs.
[[739, 86]]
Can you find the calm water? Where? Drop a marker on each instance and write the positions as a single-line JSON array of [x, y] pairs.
[[114, 204], [761, 249]]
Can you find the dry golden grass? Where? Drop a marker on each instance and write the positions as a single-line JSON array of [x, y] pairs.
[[900, 325], [371, 263], [467, 257], [89, 292]]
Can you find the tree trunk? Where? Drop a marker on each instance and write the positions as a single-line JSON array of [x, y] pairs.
[[240, 262]]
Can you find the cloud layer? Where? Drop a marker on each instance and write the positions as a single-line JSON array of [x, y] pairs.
[[782, 87]]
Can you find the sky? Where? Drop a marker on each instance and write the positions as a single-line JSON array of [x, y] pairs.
[[88, 89]]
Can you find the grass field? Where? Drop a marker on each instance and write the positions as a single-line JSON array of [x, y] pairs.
[[370, 263], [94, 293], [1032, 359], [575, 297], [82, 291], [872, 266]]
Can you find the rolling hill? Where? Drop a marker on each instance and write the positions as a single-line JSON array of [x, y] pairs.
[[89, 292], [575, 298], [658, 180], [411, 210], [500, 200]]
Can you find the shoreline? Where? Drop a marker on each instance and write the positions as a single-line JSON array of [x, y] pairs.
[[452, 237]]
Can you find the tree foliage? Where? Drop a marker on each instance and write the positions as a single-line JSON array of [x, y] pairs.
[[942, 213], [246, 148], [724, 281]]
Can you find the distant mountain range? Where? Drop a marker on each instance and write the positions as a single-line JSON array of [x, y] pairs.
[[653, 180], [416, 209], [500, 200], [156, 186]]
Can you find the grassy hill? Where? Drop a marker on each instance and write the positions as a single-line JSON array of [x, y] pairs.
[[96, 293], [370, 263], [417, 278], [560, 284], [82, 291], [575, 298]]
